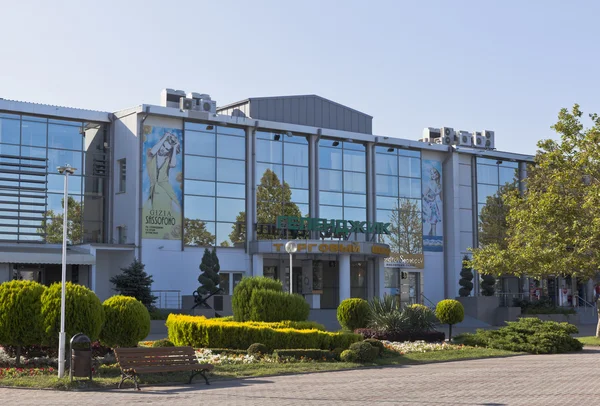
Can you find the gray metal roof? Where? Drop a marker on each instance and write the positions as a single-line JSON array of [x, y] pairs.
[[311, 110]]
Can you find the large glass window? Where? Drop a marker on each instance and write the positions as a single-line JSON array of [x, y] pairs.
[[492, 176], [214, 185], [398, 201], [31, 189], [281, 179], [342, 181]]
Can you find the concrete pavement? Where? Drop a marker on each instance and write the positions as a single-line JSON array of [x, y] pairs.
[[520, 380]]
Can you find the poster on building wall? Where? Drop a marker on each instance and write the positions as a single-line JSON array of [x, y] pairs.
[[431, 188], [161, 184]]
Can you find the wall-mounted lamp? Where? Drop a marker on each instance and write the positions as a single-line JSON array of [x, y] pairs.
[[335, 143], [498, 162], [277, 137], [390, 149], [289, 134], [209, 127]]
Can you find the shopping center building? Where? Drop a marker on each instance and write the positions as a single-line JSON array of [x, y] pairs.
[[369, 214]]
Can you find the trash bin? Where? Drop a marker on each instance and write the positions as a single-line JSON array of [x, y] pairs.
[[81, 357]]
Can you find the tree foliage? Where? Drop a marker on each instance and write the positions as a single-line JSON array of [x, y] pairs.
[[209, 278], [466, 276], [135, 282], [127, 322], [52, 224], [406, 228], [553, 226], [195, 233]]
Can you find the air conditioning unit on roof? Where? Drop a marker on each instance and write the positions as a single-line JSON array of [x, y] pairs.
[[203, 102]]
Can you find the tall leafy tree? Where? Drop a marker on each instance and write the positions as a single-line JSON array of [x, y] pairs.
[[553, 227], [273, 198], [209, 277], [406, 228], [52, 224], [135, 282], [195, 233]]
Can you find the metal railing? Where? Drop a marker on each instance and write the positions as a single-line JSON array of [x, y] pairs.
[[167, 299], [427, 302], [581, 302], [507, 299]]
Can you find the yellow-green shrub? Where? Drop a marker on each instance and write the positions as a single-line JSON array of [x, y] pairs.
[[198, 331], [272, 306], [240, 302], [127, 322]]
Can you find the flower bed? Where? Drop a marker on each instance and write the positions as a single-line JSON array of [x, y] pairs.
[[24, 372], [408, 347]]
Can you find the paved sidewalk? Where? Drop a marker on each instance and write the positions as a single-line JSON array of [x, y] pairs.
[[521, 380]]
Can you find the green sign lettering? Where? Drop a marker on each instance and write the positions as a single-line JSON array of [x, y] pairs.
[[333, 225]]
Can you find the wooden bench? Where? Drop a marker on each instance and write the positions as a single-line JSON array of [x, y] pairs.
[[135, 361]]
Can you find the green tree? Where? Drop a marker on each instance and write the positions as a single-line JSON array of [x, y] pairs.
[[52, 224], [406, 228], [195, 233], [209, 278], [135, 282], [552, 228], [466, 276], [274, 199]]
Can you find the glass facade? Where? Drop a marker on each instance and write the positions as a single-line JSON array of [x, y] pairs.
[[492, 175], [342, 181], [31, 189], [398, 198], [281, 179], [214, 184]]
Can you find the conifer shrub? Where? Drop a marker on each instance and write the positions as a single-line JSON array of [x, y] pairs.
[[240, 302], [272, 306], [353, 313]]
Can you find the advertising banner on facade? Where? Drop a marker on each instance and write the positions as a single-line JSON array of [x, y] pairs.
[[161, 184], [431, 187]]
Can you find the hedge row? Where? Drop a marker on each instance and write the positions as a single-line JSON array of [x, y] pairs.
[[200, 332], [297, 325], [272, 306], [402, 336]]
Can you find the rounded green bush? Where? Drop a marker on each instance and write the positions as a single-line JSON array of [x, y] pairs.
[[127, 322], [353, 313], [349, 356], [450, 311], [163, 342], [377, 344], [337, 352], [83, 312], [20, 313], [257, 349], [240, 302], [366, 352], [271, 306]]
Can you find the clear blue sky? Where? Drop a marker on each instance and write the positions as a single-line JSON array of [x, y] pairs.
[[502, 65]]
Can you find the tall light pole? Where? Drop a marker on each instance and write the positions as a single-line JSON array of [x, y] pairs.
[[291, 247], [63, 170]]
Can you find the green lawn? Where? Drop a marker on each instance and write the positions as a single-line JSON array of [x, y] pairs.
[[590, 340], [109, 376]]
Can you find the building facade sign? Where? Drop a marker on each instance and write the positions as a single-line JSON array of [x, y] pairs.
[[415, 261], [321, 247], [161, 185], [333, 226], [431, 187]]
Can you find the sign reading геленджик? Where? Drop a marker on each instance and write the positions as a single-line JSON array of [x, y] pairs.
[[332, 226]]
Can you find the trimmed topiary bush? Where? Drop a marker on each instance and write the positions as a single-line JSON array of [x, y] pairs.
[[450, 312], [366, 352], [466, 276], [377, 344], [353, 313], [83, 312], [337, 352], [271, 306], [488, 283], [257, 349], [349, 356], [162, 343], [127, 322], [240, 302], [20, 315]]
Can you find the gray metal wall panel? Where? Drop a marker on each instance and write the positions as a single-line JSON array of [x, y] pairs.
[[295, 110], [332, 116], [339, 117], [310, 111], [301, 110], [279, 110], [354, 121], [318, 112], [271, 113], [347, 120], [362, 125]]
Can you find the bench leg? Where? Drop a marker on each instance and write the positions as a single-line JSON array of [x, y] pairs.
[[129, 376], [201, 372]]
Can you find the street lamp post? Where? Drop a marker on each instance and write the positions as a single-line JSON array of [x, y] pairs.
[[291, 247], [63, 170]]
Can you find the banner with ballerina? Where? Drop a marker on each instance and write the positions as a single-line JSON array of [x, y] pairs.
[[161, 184], [431, 188]]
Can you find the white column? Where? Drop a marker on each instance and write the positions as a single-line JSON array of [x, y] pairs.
[[380, 277], [257, 265], [93, 271], [344, 276]]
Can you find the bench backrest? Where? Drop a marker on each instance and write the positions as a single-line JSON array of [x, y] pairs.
[[143, 357]]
